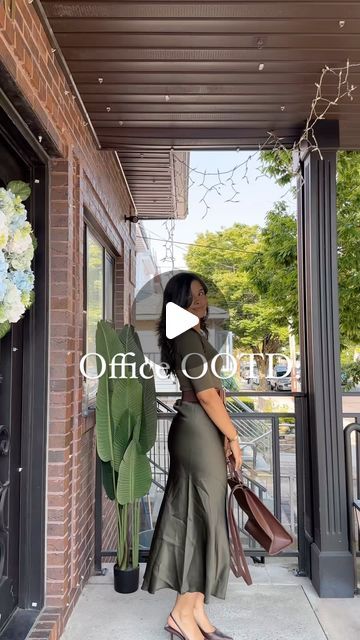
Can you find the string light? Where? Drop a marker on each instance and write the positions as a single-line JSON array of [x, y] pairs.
[[344, 89], [169, 223], [319, 108]]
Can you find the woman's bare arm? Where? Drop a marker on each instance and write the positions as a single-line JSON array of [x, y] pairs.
[[216, 410]]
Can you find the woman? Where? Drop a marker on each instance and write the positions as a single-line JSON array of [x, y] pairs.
[[190, 546]]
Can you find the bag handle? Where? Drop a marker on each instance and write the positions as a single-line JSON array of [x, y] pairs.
[[238, 562], [235, 474]]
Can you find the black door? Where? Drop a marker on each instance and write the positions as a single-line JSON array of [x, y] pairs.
[[11, 393]]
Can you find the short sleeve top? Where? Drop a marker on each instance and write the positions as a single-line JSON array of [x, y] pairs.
[[198, 353]]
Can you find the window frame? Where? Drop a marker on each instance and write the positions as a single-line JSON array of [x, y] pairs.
[[89, 401]]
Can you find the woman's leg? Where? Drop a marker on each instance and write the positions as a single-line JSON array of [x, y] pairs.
[[183, 612], [200, 614]]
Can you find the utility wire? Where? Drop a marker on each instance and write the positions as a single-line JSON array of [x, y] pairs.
[[206, 246]]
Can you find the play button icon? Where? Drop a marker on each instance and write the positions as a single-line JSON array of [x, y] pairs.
[[178, 320], [154, 313]]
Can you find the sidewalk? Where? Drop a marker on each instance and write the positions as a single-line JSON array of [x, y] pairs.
[[277, 606]]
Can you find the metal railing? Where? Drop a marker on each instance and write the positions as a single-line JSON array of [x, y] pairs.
[[266, 471], [353, 494], [260, 442]]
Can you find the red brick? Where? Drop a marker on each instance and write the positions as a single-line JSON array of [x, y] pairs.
[[40, 83], [2, 16], [57, 514], [64, 384], [59, 427], [56, 573], [20, 46], [57, 544], [55, 601], [28, 61], [60, 212], [9, 31], [56, 529], [57, 558], [58, 413], [58, 469]]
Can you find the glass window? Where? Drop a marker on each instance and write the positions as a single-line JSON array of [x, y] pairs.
[[99, 304], [109, 287]]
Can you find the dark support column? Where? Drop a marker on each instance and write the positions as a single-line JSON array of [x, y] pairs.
[[326, 528]]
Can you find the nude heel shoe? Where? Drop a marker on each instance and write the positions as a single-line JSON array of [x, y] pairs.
[[175, 632]]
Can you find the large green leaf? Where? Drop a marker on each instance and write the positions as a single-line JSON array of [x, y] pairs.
[[134, 475], [124, 433], [20, 188], [130, 339], [108, 479], [127, 394], [107, 345], [4, 328], [149, 414], [104, 423], [131, 343]]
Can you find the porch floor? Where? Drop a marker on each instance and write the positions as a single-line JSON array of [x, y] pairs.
[[277, 606]]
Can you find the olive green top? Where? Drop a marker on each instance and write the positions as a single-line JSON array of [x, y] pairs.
[[195, 343]]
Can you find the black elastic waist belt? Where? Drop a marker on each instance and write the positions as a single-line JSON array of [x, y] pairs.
[[188, 395]]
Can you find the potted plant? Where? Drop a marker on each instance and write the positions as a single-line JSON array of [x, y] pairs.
[[125, 431]]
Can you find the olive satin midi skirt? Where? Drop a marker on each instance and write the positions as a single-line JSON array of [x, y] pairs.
[[190, 545]]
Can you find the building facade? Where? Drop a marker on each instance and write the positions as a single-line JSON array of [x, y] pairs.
[[88, 175], [84, 266]]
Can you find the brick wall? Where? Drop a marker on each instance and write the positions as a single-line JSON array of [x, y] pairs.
[[81, 176]]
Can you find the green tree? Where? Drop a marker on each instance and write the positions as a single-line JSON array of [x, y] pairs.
[[227, 259], [348, 242], [256, 268], [273, 269]]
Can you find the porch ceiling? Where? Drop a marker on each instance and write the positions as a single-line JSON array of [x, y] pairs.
[[186, 74]]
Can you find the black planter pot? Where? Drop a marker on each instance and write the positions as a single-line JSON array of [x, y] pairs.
[[126, 580]]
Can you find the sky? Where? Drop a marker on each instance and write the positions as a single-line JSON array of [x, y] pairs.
[[256, 197]]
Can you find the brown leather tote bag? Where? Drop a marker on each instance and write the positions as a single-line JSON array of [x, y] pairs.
[[262, 525]]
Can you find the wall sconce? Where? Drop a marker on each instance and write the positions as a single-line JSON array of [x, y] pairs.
[[132, 218]]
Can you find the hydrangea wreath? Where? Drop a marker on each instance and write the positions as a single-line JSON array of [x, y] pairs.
[[17, 245]]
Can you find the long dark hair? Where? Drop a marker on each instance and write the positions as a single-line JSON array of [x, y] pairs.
[[178, 291]]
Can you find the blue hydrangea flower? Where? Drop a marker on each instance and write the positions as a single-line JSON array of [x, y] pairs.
[[24, 280], [3, 265], [2, 288], [17, 221]]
